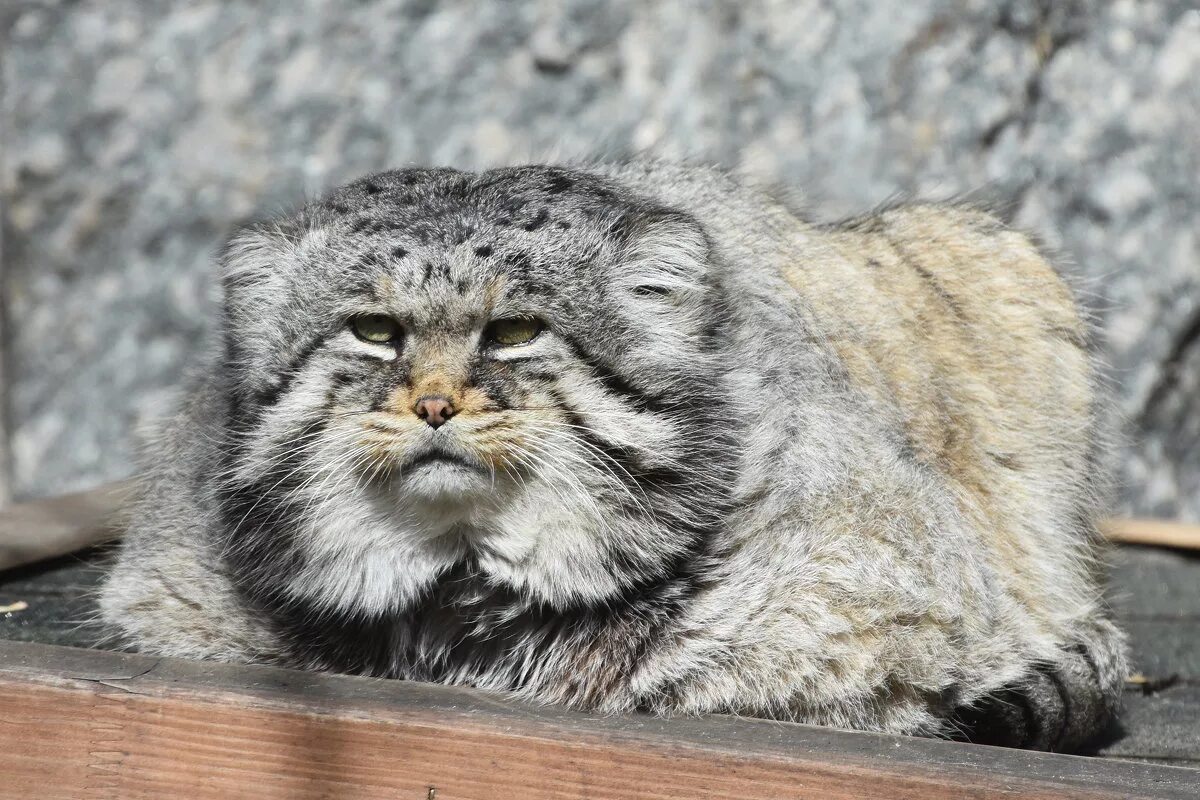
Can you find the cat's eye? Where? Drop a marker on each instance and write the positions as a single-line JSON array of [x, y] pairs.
[[514, 331], [376, 328]]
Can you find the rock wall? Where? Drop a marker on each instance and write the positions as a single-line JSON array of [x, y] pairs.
[[136, 133]]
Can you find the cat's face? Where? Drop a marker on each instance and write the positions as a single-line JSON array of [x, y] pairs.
[[519, 367]]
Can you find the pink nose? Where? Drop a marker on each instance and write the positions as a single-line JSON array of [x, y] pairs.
[[435, 409]]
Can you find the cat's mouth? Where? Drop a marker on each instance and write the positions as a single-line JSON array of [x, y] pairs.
[[442, 473], [433, 457], [439, 460]]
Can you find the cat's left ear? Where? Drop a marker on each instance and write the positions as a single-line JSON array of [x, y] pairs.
[[663, 267]]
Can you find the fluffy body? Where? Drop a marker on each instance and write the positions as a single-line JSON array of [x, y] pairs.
[[841, 474]]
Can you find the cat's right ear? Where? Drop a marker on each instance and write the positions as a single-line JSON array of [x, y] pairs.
[[257, 267], [256, 254]]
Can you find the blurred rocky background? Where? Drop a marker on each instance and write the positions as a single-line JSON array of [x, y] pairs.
[[135, 134]]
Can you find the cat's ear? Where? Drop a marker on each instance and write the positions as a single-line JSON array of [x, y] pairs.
[[664, 263], [257, 253], [661, 277], [665, 255], [261, 259], [661, 282], [256, 269]]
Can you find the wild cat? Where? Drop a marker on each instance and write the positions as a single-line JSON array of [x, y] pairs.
[[639, 437]]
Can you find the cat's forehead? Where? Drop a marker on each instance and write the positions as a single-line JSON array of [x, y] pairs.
[[445, 206], [444, 233]]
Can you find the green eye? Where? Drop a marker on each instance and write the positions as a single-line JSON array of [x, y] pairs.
[[377, 328], [514, 331]]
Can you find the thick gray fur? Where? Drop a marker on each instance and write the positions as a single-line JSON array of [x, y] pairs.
[[687, 494]]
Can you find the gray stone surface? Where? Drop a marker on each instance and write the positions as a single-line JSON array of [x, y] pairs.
[[1155, 597], [52, 602], [4, 450], [135, 133], [1152, 584], [1160, 726]]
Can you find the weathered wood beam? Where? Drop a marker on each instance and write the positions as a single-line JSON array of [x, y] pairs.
[[87, 724]]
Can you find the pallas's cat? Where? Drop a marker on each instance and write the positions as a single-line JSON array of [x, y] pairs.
[[639, 437]]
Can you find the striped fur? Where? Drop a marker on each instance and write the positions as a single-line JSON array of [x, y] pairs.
[[840, 474]]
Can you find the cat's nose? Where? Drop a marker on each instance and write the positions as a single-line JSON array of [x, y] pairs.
[[435, 409]]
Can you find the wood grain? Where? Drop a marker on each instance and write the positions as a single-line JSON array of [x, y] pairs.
[[90, 724]]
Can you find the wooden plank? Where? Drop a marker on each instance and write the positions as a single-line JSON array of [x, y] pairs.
[[58, 525], [82, 724], [1155, 532]]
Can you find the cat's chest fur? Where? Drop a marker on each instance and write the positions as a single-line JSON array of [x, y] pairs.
[[467, 630]]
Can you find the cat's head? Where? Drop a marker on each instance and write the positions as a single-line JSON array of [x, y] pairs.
[[519, 367]]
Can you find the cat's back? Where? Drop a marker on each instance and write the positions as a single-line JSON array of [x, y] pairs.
[[966, 327], [923, 430], [942, 311], [941, 328], [938, 313], [962, 326]]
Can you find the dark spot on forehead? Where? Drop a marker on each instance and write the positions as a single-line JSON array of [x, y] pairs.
[[534, 286], [370, 187], [399, 252], [558, 184], [509, 207], [462, 233], [538, 221], [483, 251], [367, 225]]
